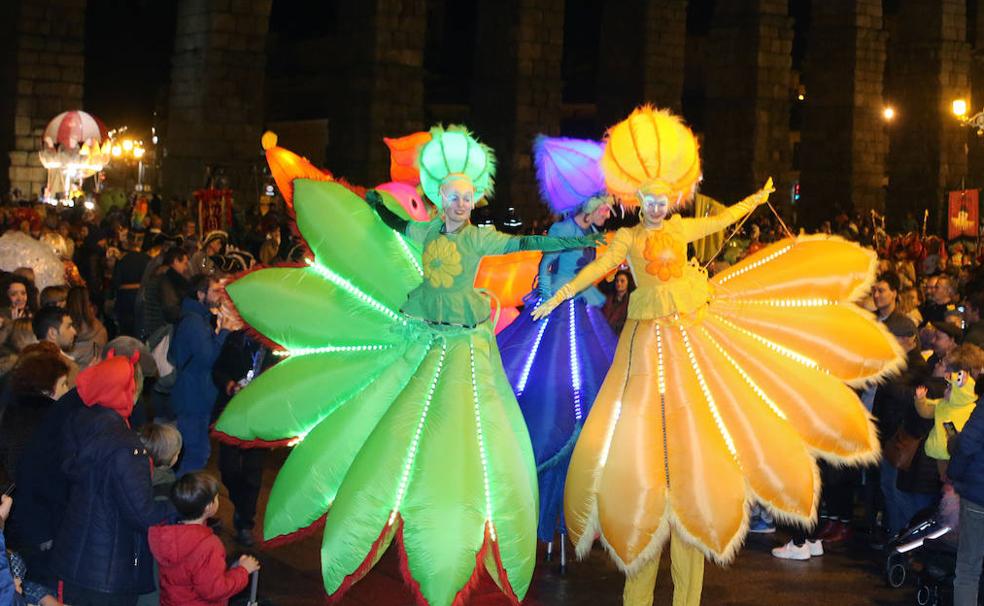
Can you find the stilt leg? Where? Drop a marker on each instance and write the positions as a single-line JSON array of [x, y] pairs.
[[549, 556], [563, 553]]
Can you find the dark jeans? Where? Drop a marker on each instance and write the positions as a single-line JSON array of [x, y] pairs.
[[970, 554], [242, 474], [80, 596], [838, 491], [900, 506], [125, 308]]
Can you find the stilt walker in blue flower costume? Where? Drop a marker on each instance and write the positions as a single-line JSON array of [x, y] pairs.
[[408, 429], [556, 365]]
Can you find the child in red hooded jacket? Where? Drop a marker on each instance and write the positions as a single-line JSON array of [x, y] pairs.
[[192, 559]]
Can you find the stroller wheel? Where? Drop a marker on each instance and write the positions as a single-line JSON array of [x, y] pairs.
[[927, 596], [896, 575]]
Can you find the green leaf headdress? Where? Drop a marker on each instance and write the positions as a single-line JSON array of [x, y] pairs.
[[454, 151]]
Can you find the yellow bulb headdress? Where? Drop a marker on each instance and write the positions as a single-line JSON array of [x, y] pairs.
[[454, 151], [651, 146]]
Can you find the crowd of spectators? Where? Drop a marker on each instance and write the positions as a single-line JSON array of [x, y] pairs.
[[108, 385]]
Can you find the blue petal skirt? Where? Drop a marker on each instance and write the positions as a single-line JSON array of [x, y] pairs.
[[555, 367]]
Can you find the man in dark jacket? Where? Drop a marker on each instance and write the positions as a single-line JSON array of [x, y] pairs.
[[966, 470], [165, 291], [91, 260], [100, 552], [194, 349], [240, 361], [127, 274]]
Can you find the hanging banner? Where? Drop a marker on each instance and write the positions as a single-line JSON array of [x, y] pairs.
[[962, 216], [214, 209]]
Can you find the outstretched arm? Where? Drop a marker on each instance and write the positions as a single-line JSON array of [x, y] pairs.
[[552, 244], [390, 218], [695, 229], [616, 253]]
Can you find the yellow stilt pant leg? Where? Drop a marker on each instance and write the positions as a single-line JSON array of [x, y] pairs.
[[687, 568]]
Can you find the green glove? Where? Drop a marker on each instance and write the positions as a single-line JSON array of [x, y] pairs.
[[551, 244]]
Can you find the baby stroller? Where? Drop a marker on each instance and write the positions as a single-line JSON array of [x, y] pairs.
[[926, 552], [924, 525]]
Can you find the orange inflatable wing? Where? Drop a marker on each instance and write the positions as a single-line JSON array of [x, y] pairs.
[[511, 277]]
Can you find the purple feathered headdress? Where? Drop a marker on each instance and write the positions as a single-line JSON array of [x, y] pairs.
[[568, 171]]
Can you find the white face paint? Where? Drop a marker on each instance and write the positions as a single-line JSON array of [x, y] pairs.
[[654, 207], [458, 199]]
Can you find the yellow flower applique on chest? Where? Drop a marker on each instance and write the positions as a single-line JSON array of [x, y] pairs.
[[442, 262], [663, 253]]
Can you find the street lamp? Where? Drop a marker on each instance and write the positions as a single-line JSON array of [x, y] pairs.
[[975, 121], [959, 108], [888, 113]]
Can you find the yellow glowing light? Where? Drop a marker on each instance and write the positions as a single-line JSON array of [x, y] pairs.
[[801, 97], [888, 113], [138, 153], [959, 107], [117, 151], [127, 145]]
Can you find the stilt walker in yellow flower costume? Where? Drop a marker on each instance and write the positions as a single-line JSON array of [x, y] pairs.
[[406, 428], [723, 391]]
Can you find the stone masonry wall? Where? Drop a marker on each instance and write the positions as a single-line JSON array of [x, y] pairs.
[[843, 141], [517, 90], [929, 62], [216, 100], [749, 63], [45, 74]]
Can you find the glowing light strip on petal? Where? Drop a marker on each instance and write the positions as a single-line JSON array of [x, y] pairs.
[[575, 365], [525, 375], [481, 443], [756, 264], [409, 254], [708, 397], [610, 434], [306, 351], [787, 302], [744, 375], [661, 382], [355, 291], [412, 451], [785, 351]]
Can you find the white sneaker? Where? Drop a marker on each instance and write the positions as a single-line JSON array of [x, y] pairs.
[[815, 548], [790, 551]]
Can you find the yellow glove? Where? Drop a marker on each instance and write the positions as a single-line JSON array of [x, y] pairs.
[[544, 309], [761, 196]]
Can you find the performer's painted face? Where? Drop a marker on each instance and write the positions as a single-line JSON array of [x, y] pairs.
[[654, 207], [600, 215], [458, 198]]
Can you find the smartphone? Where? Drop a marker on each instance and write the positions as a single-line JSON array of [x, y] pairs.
[[951, 429], [9, 490]]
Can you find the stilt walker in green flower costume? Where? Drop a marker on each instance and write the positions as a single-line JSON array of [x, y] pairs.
[[406, 426]]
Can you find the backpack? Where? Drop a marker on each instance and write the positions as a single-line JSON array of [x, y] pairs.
[[159, 343]]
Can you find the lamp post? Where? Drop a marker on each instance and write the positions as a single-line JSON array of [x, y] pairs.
[[131, 150]]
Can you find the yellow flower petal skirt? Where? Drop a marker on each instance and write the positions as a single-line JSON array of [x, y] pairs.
[[708, 410]]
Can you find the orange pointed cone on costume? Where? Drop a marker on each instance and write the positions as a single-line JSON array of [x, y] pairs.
[[403, 156], [286, 166]]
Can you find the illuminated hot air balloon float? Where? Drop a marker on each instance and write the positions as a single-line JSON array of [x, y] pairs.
[[76, 145]]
